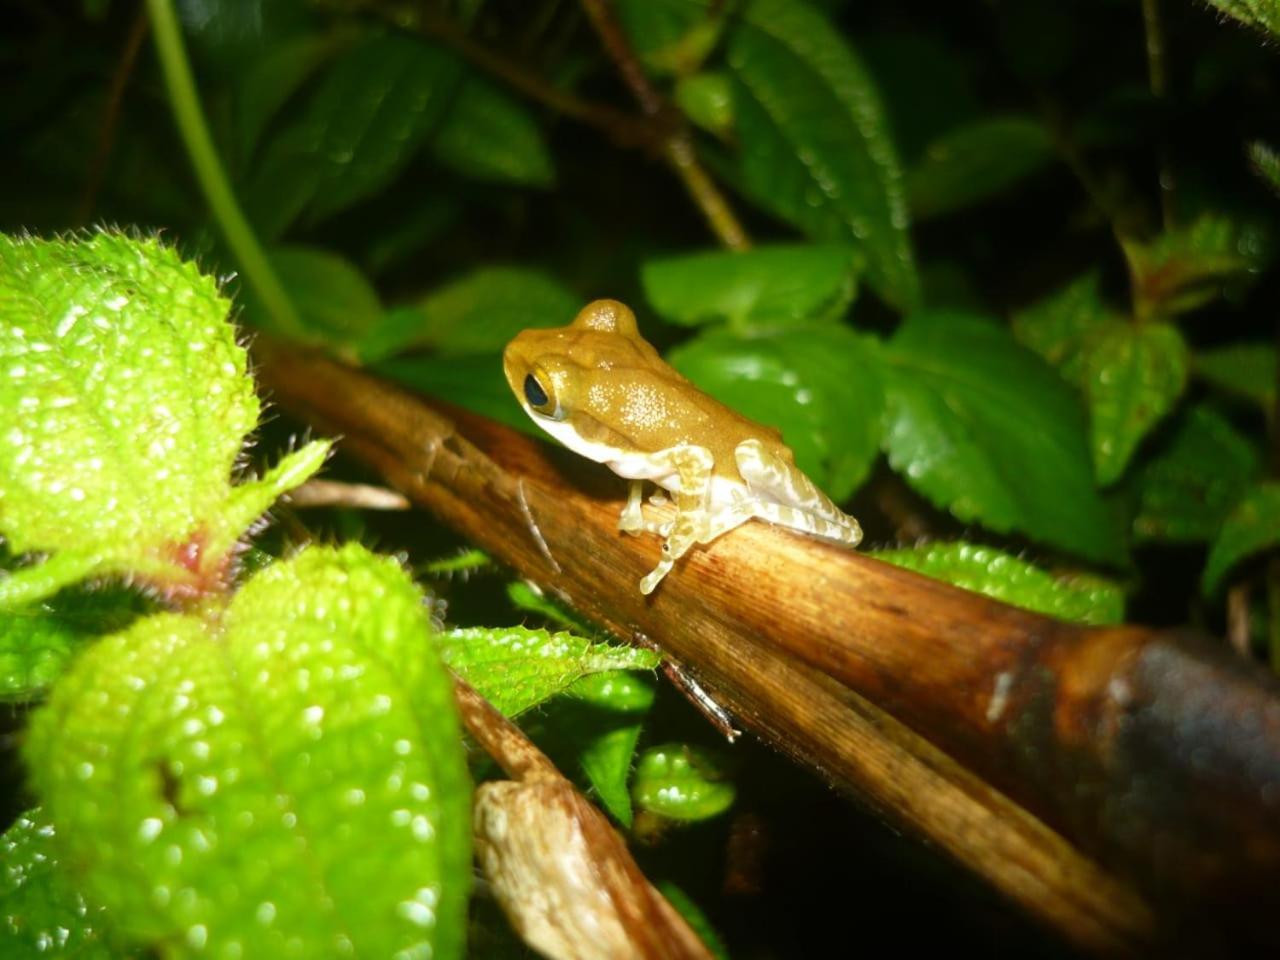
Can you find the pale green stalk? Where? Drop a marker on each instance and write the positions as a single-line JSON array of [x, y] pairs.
[[210, 173]]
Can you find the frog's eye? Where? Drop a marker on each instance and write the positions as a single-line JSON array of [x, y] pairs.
[[534, 393]]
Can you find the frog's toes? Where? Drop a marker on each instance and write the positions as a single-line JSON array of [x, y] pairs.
[[654, 577]]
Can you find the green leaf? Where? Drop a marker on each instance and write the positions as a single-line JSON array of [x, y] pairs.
[[1266, 163], [1249, 370], [1186, 268], [815, 147], [974, 162], [671, 36], [681, 782], [1199, 473], [1058, 325], [821, 385], [525, 596], [490, 136], [1131, 374], [707, 100], [983, 428], [477, 313], [1264, 14], [766, 285], [37, 642], [374, 108], [123, 407], [1134, 374], [611, 739], [284, 778], [695, 917], [463, 563], [516, 668], [332, 296], [1251, 528], [1081, 598], [473, 382], [41, 911], [267, 81]]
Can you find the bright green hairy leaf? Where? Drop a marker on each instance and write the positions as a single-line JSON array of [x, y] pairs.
[[681, 782], [37, 641], [1245, 369], [707, 100], [124, 404], [983, 428], [284, 780], [1186, 268], [975, 162], [374, 108], [763, 286], [1189, 485], [516, 668], [815, 145], [42, 914], [821, 385], [1264, 14], [489, 135], [334, 299], [476, 313], [463, 563], [1077, 597], [1131, 374], [1251, 528]]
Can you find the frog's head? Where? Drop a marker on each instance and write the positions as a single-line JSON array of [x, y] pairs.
[[552, 371]]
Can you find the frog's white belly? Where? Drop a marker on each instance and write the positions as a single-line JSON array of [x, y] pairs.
[[634, 465]]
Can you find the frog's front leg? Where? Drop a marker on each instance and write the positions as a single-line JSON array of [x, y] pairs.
[[692, 466], [785, 496], [632, 519]]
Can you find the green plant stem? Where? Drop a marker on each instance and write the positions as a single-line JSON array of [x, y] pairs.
[[1157, 78], [211, 174]]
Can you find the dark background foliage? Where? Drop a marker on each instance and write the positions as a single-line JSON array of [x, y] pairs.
[[424, 190]]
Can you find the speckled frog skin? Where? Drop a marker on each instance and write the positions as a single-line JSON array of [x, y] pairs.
[[600, 389]]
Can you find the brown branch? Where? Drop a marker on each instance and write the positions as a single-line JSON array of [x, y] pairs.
[[564, 877], [1013, 741]]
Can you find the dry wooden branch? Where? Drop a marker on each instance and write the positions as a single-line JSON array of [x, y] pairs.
[[561, 873], [995, 733]]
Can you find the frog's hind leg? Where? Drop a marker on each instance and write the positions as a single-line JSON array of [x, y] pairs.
[[785, 496]]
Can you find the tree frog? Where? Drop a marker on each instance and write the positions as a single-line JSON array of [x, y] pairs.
[[601, 389]]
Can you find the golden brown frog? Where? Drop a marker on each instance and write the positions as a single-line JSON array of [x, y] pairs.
[[600, 389]]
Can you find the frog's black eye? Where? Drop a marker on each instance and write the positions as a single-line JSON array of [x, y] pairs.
[[533, 392]]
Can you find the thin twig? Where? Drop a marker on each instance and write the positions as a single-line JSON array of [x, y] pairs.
[[1157, 78], [1238, 598], [111, 114], [678, 148], [357, 496]]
